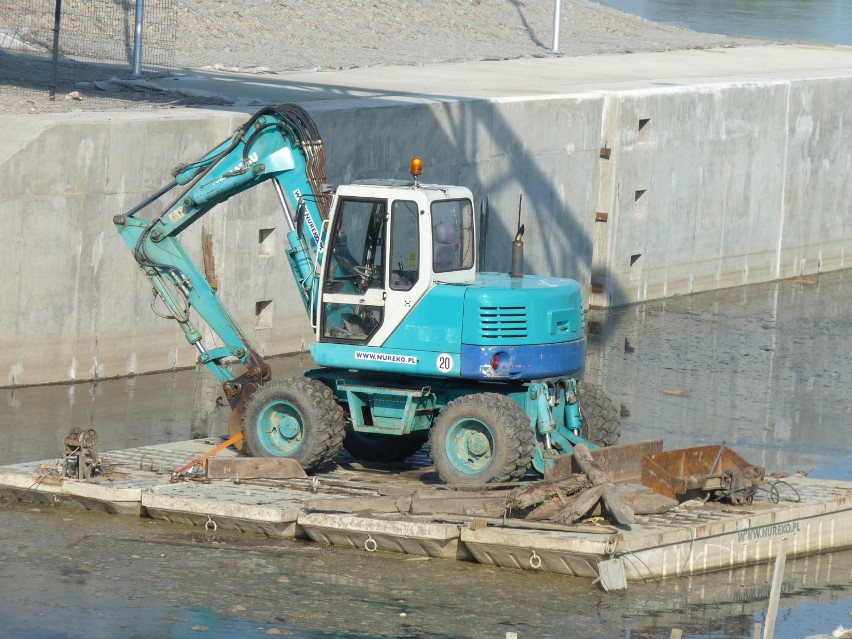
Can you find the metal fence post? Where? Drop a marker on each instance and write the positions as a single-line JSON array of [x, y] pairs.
[[557, 10], [775, 591], [137, 39], [56, 15]]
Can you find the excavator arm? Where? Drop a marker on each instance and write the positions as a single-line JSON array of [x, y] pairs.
[[278, 144]]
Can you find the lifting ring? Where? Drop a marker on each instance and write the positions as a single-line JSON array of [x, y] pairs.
[[211, 525], [535, 561], [370, 544]]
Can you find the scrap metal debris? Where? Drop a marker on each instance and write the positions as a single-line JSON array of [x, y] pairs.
[[708, 471], [80, 459], [613, 483]]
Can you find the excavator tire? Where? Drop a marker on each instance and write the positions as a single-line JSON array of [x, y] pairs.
[[601, 420], [481, 438], [297, 418], [379, 448]]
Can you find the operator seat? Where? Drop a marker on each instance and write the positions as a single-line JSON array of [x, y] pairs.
[[444, 252]]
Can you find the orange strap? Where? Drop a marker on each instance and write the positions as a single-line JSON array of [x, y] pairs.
[[218, 449]]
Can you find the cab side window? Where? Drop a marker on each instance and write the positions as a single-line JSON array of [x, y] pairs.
[[356, 261], [452, 235], [405, 245]]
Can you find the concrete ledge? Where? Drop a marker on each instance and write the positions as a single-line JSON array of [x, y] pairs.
[[57, 491], [272, 522], [574, 554], [372, 534]]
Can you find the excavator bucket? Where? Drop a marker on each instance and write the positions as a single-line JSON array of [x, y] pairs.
[[703, 471], [622, 463], [235, 420]]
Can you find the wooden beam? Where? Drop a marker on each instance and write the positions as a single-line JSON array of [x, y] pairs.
[[254, 468]]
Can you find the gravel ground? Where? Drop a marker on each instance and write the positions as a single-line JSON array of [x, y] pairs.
[[279, 36]]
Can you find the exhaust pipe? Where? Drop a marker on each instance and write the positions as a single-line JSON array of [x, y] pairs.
[[518, 246]]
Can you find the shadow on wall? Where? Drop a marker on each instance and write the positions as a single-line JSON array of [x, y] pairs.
[[498, 149]]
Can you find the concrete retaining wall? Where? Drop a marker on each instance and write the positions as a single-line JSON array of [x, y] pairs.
[[637, 194], [714, 186]]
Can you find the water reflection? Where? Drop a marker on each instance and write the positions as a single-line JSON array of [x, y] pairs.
[[66, 573], [147, 409], [828, 21], [764, 368]]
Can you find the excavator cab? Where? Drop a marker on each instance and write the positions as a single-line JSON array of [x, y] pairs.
[[389, 242]]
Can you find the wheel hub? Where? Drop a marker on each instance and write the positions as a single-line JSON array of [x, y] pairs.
[[470, 445], [281, 428], [288, 427], [477, 444]]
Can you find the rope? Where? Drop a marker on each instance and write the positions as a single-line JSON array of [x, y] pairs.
[[16, 494], [775, 494]]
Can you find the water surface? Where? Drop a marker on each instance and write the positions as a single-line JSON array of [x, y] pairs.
[[825, 21]]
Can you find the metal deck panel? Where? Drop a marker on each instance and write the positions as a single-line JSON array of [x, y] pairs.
[[684, 541]]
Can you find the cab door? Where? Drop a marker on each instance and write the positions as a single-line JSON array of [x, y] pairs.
[[408, 277], [375, 272], [353, 293]]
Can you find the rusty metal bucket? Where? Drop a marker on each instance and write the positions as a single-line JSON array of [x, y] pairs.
[[703, 471]]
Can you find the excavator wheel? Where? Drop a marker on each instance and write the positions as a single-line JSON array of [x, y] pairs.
[[601, 419], [376, 447], [481, 438], [297, 418]]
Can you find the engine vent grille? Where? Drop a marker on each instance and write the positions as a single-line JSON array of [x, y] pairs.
[[503, 322]]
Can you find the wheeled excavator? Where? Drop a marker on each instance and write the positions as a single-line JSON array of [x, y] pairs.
[[411, 342]]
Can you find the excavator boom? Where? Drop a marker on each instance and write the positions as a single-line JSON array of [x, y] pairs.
[[278, 144]]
